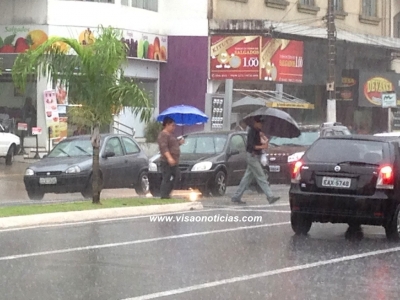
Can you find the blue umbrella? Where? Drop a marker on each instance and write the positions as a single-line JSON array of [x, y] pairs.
[[184, 115]]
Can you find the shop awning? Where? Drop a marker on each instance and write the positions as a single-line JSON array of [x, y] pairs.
[[253, 99]]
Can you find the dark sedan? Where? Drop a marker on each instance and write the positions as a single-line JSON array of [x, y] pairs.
[[68, 167], [209, 162]]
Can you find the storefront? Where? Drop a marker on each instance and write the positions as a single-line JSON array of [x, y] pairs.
[[16, 106], [294, 68], [265, 72], [49, 110], [366, 108]]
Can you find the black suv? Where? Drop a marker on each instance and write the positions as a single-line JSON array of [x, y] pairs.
[[284, 152], [348, 179]]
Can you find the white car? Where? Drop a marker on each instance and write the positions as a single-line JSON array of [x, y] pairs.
[[9, 145], [396, 133]]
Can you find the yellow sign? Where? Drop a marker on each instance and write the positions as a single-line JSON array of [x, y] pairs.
[[374, 88], [290, 105]]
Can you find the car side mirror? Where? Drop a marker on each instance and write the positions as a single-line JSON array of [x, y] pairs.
[[109, 154], [44, 156], [234, 152]]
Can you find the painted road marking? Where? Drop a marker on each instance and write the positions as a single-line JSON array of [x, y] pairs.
[[264, 274], [158, 239], [258, 210], [122, 219]]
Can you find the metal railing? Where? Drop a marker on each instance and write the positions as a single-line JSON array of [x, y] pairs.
[[128, 130]]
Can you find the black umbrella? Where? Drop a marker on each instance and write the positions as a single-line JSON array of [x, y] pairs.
[[275, 122]]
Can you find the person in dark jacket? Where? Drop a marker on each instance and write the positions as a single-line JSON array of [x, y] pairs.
[[170, 153], [254, 169]]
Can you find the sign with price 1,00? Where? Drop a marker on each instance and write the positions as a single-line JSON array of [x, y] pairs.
[[235, 57], [256, 58]]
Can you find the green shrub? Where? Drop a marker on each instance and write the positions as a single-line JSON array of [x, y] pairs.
[[152, 130]]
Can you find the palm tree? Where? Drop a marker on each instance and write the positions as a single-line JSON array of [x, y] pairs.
[[95, 80]]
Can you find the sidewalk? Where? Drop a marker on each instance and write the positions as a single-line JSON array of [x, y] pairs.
[[21, 159], [95, 214]]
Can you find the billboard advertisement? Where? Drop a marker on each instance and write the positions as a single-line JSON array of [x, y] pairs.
[[256, 58], [235, 57], [281, 60], [140, 45]]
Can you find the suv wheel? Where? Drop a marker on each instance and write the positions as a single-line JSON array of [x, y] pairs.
[[301, 224], [218, 187], [354, 232], [35, 194], [393, 228]]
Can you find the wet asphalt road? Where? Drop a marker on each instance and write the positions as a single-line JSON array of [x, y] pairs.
[[135, 258]]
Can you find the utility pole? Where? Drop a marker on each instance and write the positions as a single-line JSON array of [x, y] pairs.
[[330, 86]]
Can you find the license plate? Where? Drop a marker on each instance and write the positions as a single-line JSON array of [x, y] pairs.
[[274, 168], [336, 182], [48, 180]]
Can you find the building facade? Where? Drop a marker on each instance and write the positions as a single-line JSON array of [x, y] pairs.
[[159, 25], [366, 50]]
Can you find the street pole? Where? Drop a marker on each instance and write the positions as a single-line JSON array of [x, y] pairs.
[[330, 86]]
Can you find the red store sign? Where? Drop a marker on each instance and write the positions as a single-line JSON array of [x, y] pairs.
[[256, 58]]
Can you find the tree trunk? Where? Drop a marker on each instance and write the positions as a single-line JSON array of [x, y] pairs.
[[96, 180]]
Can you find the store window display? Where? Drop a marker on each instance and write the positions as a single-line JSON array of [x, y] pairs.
[[29, 114]]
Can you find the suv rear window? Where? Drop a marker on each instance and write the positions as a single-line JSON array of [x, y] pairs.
[[336, 150], [305, 139]]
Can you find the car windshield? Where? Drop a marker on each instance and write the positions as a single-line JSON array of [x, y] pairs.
[[345, 151], [204, 144], [306, 138], [72, 148]]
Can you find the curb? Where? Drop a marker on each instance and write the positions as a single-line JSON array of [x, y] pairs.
[[96, 214]]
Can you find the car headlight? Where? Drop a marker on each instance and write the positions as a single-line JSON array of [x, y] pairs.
[[152, 167], [29, 172], [74, 169], [295, 157], [202, 166]]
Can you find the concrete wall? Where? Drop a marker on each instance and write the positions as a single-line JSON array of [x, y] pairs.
[[184, 17], [395, 13], [92, 14], [174, 17], [23, 12], [256, 9], [144, 70]]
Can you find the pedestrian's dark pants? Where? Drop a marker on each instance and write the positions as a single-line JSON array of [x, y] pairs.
[[170, 175]]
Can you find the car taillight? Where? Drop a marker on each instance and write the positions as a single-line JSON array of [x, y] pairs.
[[296, 172], [385, 178]]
